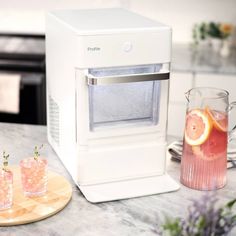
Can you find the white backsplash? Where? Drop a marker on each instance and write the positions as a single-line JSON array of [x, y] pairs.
[[183, 14]]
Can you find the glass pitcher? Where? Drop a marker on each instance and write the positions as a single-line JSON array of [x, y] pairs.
[[204, 160]]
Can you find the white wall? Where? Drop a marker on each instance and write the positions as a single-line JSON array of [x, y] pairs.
[[55, 4], [180, 14], [28, 16]]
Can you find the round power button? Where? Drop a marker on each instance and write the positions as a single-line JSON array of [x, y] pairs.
[[127, 47]]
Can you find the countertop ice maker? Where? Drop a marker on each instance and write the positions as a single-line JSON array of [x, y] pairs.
[[107, 101]]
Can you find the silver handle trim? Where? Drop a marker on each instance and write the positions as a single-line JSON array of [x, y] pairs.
[[92, 80]]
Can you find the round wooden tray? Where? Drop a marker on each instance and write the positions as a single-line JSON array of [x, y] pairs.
[[27, 210]]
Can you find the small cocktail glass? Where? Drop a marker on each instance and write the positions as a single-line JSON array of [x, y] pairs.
[[6, 185], [34, 175]]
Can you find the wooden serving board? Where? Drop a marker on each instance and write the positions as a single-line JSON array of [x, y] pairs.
[[27, 210]]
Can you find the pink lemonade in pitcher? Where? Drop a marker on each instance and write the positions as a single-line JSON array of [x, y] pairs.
[[204, 161]]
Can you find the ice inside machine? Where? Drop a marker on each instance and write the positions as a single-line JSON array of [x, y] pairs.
[[107, 101]]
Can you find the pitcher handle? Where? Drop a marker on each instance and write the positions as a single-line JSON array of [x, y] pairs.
[[232, 132]]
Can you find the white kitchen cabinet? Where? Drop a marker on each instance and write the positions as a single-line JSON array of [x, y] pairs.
[[227, 82], [176, 119], [180, 83]]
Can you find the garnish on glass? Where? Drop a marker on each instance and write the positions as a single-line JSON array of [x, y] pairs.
[[36, 152], [5, 161]]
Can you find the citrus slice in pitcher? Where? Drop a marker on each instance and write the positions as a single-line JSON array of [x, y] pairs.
[[198, 127], [219, 119]]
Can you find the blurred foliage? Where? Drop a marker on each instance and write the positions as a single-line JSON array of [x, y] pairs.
[[204, 219], [204, 30]]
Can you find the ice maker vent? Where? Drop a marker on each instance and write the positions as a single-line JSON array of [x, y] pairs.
[[54, 120]]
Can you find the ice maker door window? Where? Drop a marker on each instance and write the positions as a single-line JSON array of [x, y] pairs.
[[123, 97]]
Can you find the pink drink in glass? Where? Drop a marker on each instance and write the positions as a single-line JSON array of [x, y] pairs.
[[6, 190], [34, 176], [203, 166]]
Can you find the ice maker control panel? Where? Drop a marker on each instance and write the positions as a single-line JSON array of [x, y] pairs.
[[123, 49]]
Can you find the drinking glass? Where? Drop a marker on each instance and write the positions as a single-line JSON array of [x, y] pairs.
[[204, 160], [34, 176], [6, 190]]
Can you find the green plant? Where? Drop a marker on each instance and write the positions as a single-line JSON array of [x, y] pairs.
[[36, 151], [214, 30], [204, 30], [195, 34], [199, 32], [203, 219]]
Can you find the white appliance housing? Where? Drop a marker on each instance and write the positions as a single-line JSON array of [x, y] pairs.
[[107, 101]]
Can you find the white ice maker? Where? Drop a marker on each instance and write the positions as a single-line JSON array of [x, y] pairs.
[[107, 100]]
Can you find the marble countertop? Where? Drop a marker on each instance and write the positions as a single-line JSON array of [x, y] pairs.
[[203, 60], [140, 216]]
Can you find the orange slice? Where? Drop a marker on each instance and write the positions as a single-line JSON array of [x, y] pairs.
[[198, 127], [219, 119]]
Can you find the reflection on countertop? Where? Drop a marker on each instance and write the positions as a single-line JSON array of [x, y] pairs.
[[203, 60]]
